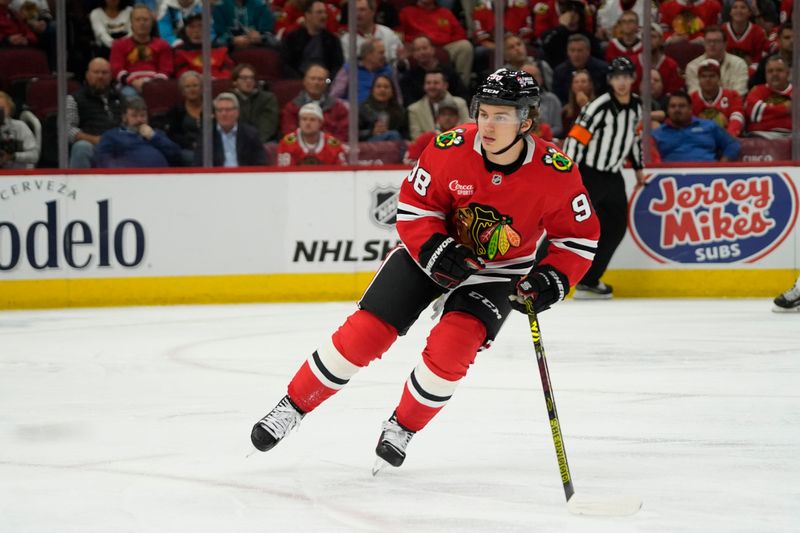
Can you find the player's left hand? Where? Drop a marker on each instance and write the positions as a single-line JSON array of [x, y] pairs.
[[544, 286]]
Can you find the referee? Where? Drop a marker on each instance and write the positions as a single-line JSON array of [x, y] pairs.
[[603, 137]]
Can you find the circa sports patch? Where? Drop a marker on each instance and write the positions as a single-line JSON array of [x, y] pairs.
[[449, 138], [557, 160]]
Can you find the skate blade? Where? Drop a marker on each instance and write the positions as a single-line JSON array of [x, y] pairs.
[[586, 295], [379, 465], [581, 504], [779, 309]]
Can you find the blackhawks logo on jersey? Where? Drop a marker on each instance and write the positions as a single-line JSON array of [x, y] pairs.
[[449, 138], [557, 160], [485, 230]]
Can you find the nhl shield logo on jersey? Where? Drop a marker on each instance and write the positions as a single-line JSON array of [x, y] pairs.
[[557, 160], [383, 210], [486, 231], [449, 138]]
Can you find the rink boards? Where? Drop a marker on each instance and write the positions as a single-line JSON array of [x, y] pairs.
[[185, 237]]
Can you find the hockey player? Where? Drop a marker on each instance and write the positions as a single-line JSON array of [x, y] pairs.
[[789, 300], [470, 217]]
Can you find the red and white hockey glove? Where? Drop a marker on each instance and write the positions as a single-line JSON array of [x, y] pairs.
[[447, 262], [544, 285]]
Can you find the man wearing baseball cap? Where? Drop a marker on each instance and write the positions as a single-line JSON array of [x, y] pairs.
[[309, 145], [712, 101]]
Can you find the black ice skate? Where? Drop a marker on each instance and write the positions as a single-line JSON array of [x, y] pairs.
[[392, 444], [788, 302], [601, 291], [271, 429]]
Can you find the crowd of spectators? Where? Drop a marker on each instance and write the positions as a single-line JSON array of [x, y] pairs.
[[721, 72]]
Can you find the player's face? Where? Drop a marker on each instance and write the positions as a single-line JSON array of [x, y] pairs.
[[621, 83], [709, 81], [498, 126]]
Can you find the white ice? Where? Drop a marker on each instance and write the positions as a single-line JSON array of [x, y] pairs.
[[138, 419]]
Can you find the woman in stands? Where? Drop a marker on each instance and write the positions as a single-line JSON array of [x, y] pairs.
[[381, 117], [581, 92]]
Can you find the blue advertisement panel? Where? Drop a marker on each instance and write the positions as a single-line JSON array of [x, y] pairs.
[[701, 218]]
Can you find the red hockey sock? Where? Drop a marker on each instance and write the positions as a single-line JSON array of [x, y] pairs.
[[361, 339], [452, 346]]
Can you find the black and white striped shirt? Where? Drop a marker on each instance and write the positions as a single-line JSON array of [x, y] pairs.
[[604, 135]]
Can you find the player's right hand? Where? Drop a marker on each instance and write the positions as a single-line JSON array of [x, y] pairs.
[[447, 262]]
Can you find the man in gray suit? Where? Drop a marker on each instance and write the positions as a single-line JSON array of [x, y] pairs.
[[422, 112]]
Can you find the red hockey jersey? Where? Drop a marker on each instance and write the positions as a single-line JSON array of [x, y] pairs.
[[617, 48], [786, 10], [438, 24], [293, 151], [688, 17], [502, 217], [769, 110], [517, 19], [141, 61], [726, 109], [750, 45]]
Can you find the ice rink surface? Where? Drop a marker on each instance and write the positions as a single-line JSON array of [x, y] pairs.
[[138, 419]]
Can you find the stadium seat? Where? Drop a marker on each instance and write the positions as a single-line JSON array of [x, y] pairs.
[[220, 86], [285, 90], [759, 149], [161, 95], [683, 52], [381, 152], [21, 64], [41, 95], [265, 61]]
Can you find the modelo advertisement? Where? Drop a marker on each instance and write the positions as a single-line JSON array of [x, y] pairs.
[[711, 218], [153, 224]]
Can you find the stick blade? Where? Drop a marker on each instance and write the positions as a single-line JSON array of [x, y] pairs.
[[582, 504]]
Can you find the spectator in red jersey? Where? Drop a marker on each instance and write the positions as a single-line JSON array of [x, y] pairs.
[[571, 23], [517, 20], [447, 118], [686, 19], [312, 43], [137, 59], [578, 57], [627, 41], [316, 82], [711, 101], [734, 69], [13, 30], [666, 66], [785, 50], [189, 51], [769, 106], [309, 145], [744, 38], [412, 78], [581, 92], [443, 29]]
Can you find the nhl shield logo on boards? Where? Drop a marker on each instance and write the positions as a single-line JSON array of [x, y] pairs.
[[713, 218], [383, 210]]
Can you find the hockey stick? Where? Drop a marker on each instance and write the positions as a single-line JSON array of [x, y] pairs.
[[576, 503]]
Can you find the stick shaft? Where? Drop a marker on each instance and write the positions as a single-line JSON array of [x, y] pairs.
[[550, 401]]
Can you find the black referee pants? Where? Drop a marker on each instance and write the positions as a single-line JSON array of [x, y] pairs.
[[607, 192]]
